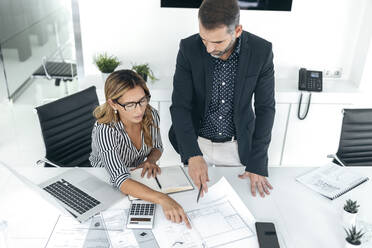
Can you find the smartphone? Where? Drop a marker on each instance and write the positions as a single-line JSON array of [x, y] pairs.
[[266, 235]]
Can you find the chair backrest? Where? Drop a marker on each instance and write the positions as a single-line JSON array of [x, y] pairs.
[[355, 147], [66, 125]]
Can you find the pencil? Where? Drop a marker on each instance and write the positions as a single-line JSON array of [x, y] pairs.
[[201, 186], [157, 181]]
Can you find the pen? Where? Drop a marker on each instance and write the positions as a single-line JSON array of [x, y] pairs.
[[201, 186], [157, 181]]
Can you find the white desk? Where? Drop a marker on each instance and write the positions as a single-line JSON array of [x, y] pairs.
[[303, 218]]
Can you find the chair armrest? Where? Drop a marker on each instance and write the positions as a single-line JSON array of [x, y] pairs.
[[334, 156], [43, 62], [42, 161]]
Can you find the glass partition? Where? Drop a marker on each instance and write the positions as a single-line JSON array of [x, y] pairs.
[[29, 31]]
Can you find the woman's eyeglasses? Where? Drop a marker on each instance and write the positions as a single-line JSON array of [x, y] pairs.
[[129, 106]]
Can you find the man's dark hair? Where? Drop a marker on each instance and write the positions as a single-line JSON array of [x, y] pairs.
[[217, 13]]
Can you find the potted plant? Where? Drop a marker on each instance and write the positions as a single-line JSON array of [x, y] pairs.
[[353, 237], [350, 213], [144, 71], [106, 64]]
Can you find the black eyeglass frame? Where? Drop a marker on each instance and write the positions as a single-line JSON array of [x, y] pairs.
[[124, 105]]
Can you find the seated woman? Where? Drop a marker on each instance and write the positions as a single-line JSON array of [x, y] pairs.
[[126, 135]]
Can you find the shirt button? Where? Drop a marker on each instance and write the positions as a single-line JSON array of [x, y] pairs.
[[219, 133], [223, 101], [220, 117], [223, 83]]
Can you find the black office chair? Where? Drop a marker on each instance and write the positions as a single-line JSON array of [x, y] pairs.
[[57, 69], [66, 125], [355, 147]]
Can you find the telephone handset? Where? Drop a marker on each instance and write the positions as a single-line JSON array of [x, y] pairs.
[[308, 81]]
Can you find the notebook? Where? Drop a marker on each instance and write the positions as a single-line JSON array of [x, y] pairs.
[[332, 180], [172, 179]]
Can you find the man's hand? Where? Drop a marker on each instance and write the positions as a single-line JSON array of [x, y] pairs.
[[151, 168], [259, 182], [198, 171]]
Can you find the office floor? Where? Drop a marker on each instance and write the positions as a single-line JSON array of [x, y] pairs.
[[21, 142]]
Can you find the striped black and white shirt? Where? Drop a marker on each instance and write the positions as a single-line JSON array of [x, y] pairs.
[[113, 149]]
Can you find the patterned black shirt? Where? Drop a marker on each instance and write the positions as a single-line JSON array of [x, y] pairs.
[[218, 122]]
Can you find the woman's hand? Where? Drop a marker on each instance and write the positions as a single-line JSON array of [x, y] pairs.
[[173, 211], [151, 168]]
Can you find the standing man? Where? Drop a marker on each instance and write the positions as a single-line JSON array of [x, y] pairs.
[[218, 72]]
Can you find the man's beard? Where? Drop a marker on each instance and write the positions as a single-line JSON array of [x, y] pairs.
[[227, 49]]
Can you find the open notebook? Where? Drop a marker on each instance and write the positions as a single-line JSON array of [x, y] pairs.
[[172, 179], [332, 180]]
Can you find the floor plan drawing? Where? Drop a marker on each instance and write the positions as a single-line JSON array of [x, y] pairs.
[[220, 219]]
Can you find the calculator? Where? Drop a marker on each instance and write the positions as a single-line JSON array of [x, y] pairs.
[[141, 215]]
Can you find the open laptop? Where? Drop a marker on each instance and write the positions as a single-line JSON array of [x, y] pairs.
[[82, 194]]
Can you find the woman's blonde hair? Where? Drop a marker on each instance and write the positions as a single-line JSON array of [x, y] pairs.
[[116, 85]]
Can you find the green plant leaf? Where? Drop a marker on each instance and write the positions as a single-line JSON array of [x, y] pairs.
[[144, 69], [351, 206], [106, 63], [353, 236]]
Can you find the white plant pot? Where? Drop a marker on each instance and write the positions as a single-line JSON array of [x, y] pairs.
[[349, 219], [105, 76], [348, 245]]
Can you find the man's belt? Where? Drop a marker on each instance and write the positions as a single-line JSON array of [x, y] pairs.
[[221, 140]]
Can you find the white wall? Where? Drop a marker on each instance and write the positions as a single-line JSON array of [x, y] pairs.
[[316, 34], [366, 80], [363, 47]]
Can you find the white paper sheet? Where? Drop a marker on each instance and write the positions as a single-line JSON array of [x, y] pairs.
[[104, 230], [116, 221], [219, 219], [68, 233]]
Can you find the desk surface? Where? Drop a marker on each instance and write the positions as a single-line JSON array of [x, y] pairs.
[[302, 217]]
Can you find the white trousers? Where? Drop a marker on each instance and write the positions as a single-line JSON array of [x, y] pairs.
[[220, 154]]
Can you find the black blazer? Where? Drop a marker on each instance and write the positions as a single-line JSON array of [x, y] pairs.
[[192, 87]]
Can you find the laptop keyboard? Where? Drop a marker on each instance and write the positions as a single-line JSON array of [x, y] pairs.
[[73, 197]]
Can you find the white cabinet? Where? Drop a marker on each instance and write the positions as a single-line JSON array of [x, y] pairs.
[[155, 104], [309, 141], [294, 142], [170, 156], [278, 133]]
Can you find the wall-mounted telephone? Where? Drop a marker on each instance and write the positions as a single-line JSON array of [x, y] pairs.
[[308, 81]]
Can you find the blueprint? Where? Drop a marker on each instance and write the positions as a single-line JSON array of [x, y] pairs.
[[105, 230], [220, 219]]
